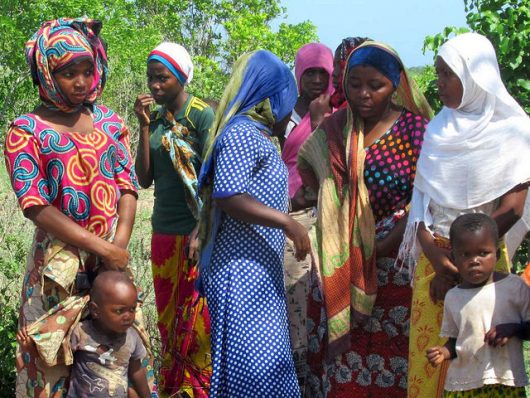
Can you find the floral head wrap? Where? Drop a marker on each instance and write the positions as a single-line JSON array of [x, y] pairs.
[[58, 44], [342, 52]]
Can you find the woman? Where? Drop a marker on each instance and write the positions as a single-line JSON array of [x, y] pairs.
[[73, 176], [342, 52], [464, 167], [313, 67], [361, 161], [170, 154], [243, 233]]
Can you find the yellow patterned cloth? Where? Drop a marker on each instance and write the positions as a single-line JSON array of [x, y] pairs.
[[425, 323]]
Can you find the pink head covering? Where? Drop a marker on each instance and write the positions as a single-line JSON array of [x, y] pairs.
[[313, 55]]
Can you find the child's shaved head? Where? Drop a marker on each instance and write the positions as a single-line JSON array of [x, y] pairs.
[[107, 282]]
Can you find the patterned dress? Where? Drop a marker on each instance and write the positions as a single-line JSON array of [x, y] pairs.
[[376, 364], [176, 143], [81, 175], [244, 285]]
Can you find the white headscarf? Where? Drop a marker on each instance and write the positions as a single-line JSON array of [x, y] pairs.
[[474, 154], [176, 59]]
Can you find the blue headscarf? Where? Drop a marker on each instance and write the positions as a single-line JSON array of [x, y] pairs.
[[257, 77], [261, 91], [379, 59]]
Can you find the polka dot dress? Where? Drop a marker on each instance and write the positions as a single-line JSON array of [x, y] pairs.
[[251, 353], [390, 165]]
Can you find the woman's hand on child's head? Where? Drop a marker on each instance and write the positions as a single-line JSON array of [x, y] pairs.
[[436, 355], [141, 108], [116, 259], [499, 335]]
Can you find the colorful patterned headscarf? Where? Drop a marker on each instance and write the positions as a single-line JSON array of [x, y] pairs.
[[342, 52], [261, 91], [58, 44], [174, 57]]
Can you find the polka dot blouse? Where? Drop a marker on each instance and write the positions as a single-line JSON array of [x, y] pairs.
[[390, 165]]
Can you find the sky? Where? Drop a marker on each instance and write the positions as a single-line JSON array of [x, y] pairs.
[[401, 23]]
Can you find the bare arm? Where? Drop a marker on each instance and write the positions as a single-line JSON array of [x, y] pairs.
[[126, 214], [390, 243], [245, 208], [137, 376], [318, 108], [61, 226], [299, 200], [510, 210], [446, 273], [144, 169]]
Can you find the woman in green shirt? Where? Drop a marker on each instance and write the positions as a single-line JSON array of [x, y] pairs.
[[170, 154]]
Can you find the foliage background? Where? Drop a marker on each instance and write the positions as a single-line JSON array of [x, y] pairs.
[[215, 32]]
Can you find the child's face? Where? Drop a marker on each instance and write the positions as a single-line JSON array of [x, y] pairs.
[[117, 311], [450, 89], [475, 256]]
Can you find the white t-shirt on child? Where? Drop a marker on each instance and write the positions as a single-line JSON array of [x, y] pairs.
[[468, 315]]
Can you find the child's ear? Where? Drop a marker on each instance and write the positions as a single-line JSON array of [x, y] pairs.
[[94, 309]]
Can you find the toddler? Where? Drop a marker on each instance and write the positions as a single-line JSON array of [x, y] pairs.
[[485, 317]]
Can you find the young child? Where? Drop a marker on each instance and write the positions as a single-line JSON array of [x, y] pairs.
[[107, 350], [485, 317]]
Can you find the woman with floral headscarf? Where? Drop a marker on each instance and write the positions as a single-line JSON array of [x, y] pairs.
[[73, 176], [244, 187], [169, 155], [361, 161]]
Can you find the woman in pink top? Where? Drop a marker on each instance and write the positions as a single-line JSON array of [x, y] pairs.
[[313, 70]]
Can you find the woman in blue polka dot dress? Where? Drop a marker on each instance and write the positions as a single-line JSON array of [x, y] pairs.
[[244, 185]]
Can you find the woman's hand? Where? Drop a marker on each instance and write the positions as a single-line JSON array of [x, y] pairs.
[[439, 287], [298, 234], [115, 258], [193, 244], [318, 108], [141, 108], [446, 273]]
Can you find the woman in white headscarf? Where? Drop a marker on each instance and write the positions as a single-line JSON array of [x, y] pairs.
[[474, 159], [169, 154]]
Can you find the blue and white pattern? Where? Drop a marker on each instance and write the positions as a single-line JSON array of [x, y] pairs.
[[251, 352]]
